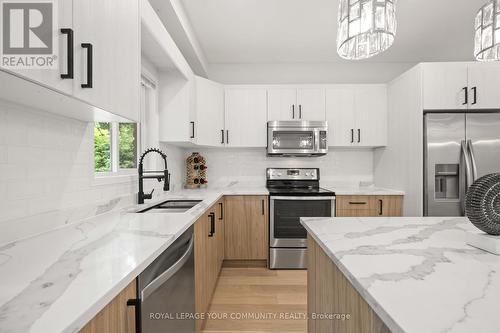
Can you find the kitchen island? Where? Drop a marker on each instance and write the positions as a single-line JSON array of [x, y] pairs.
[[399, 275]]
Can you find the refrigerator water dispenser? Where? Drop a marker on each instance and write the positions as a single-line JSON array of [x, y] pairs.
[[447, 181]]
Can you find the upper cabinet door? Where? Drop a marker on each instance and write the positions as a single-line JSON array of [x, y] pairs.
[[282, 104], [245, 120], [124, 72], [340, 114], [92, 38], [445, 86], [371, 116], [209, 112], [52, 77], [484, 80], [311, 104]]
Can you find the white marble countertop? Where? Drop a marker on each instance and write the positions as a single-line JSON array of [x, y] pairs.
[[418, 274], [363, 191], [57, 281]]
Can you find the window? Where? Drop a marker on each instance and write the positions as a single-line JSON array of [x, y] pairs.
[[102, 147], [115, 147], [128, 146]]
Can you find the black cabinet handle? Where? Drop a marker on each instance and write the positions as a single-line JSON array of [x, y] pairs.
[[300, 111], [380, 206], [263, 207], [359, 135], [136, 303], [474, 92], [90, 62], [466, 96], [293, 111], [227, 136], [357, 202], [222, 132], [70, 53], [211, 216], [192, 129], [352, 135], [221, 217]]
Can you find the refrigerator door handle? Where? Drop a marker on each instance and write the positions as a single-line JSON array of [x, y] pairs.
[[465, 181], [473, 161]]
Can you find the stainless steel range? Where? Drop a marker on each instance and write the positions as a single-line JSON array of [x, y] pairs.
[[294, 193]]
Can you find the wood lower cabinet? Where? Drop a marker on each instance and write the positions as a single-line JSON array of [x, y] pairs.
[[116, 317], [329, 292], [246, 228], [208, 237], [369, 205]]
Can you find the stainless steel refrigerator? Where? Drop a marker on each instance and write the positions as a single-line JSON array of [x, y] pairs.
[[458, 149]]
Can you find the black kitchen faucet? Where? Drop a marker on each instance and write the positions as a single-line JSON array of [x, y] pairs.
[[159, 175]]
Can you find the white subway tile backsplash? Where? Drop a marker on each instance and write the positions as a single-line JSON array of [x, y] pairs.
[[340, 166], [3, 155], [47, 173]]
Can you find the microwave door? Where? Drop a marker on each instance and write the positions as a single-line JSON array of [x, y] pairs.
[[293, 141]]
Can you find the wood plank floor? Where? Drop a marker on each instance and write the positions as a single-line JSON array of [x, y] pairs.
[[273, 301]]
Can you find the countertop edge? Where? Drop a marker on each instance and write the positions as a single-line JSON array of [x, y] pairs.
[[383, 315]]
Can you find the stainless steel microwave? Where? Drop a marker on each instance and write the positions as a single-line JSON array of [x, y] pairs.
[[297, 138]]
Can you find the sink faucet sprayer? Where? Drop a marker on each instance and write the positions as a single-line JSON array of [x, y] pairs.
[[159, 175]]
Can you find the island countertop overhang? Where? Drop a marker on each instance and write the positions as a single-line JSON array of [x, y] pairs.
[[417, 273]]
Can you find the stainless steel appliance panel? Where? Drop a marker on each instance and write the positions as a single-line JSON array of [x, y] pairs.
[[285, 229], [297, 138], [445, 164], [167, 287], [284, 258], [483, 143]]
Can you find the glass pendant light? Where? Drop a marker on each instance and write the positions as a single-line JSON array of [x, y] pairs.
[[366, 27], [487, 37]]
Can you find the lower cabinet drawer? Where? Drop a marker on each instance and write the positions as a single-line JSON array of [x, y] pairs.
[[356, 202], [364, 205]]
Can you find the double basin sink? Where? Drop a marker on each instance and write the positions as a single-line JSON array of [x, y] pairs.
[[172, 206]]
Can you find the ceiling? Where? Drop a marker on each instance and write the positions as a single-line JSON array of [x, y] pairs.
[[304, 31]]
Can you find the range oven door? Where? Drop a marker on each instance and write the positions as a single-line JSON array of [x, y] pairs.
[[285, 229], [297, 141]]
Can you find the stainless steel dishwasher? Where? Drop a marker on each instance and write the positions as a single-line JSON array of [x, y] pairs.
[[166, 289]]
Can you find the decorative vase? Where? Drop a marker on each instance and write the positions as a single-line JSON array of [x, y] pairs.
[[196, 171]]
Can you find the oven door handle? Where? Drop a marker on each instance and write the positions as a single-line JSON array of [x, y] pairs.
[[292, 198]]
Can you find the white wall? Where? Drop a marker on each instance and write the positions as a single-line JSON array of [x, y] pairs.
[[400, 164], [340, 167], [47, 173], [284, 73]]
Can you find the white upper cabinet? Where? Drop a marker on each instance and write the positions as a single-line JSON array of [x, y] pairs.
[[371, 115], [209, 110], [311, 104], [92, 47], [282, 104], [176, 105], [245, 117], [341, 116], [59, 79], [461, 86], [99, 56], [484, 83], [108, 32], [357, 115], [124, 59], [293, 103], [445, 86]]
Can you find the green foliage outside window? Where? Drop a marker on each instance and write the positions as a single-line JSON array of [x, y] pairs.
[[102, 147], [128, 145]]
